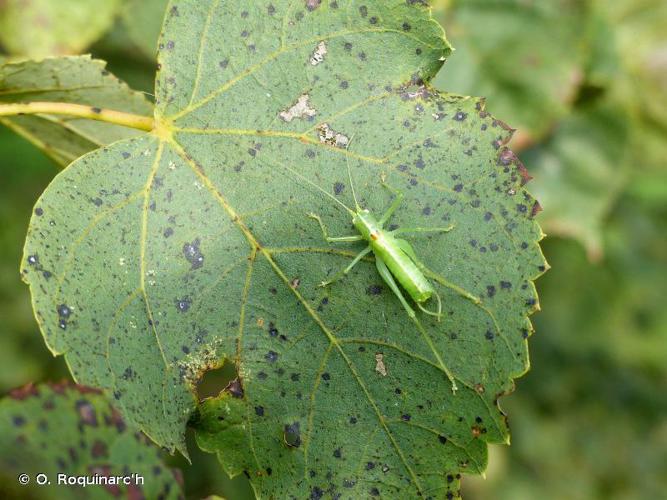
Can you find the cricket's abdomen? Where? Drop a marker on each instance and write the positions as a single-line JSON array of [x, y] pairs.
[[401, 266]]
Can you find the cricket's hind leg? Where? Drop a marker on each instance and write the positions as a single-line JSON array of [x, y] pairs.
[[406, 230], [385, 273], [407, 248], [438, 313]]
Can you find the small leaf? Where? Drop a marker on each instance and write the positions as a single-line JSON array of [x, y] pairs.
[[39, 28], [71, 79], [143, 21], [579, 173], [525, 57], [62, 429], [174, 250]]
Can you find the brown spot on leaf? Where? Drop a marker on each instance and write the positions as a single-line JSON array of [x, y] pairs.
[[537, 208], [99, 449], [311, 5], [87, 412], [24, 392], [523, 172], [235, 388]]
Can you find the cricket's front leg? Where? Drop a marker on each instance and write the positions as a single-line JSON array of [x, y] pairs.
[[394, 206], [344, 272], [340, 239]]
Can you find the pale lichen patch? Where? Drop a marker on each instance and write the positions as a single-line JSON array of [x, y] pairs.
[[300, 109], [379, 364], [318, 55], [329, 136], [193, 366]]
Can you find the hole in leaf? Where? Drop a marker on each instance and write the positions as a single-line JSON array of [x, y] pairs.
[[216, 380]]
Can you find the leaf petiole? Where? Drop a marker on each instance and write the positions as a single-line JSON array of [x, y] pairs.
[[146, 123]]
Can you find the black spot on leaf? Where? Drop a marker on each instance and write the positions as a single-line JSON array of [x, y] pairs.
[[64, 311], [271, 356], [182, 305], [193, 254], [292, 435]]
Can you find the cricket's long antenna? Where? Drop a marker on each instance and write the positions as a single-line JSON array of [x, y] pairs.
[[303, 178], [349, 174]]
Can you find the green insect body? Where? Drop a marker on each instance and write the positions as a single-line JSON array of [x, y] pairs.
[[394, 257], [391, 251]]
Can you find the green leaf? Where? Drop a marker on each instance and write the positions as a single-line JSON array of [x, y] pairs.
[[614, 301], [607, 339], [525, 57], [69, 429], [39, 28], [143, 21], [579, 173], [25, 174], [640, 85], [168, 253], [71, 79]]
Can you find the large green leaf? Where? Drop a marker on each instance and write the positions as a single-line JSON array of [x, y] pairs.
[[72, 430], [72, 79], [39, 28], [153, 259]]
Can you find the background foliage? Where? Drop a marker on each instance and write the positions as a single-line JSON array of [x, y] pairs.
[[585, 83]]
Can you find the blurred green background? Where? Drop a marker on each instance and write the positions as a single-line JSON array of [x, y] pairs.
[[584, 82]]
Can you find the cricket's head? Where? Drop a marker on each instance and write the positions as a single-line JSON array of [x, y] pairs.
[[366, 223]]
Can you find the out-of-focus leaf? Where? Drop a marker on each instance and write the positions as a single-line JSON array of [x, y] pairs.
[[637, 82], [594, 402], [525, 57], [143, 22], [125, 60], [579, 172], [583, 418], [171, 251], [71, 79], [39, 28], [25, 173], [639, 30], [72, 430], [614, 304]]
